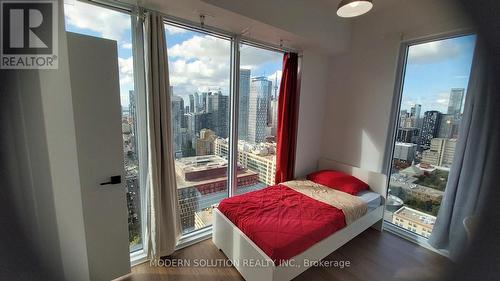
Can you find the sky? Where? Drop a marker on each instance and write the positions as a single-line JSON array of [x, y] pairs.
[[200, 62], [433, 69], [197, 61]]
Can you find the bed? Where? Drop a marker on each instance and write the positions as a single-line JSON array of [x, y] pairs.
[[254, 264]]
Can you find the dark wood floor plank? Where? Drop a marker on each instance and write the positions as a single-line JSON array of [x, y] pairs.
[[372, 255]]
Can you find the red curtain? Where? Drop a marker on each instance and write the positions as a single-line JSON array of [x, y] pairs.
[[288, 111]]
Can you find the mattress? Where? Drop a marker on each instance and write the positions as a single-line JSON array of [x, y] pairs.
[[281, 221], [372, 199]]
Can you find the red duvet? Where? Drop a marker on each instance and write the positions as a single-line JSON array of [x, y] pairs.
[[281, 221]]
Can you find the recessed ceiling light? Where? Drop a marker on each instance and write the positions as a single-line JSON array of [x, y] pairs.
[[353, 8]]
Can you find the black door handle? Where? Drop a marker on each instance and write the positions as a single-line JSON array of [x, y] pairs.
[[113, 180]]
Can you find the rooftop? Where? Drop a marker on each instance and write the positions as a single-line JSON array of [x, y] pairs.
[[200, 163], [263, 149], [183, 183], [416, 216], [406, 144], [207, 169]]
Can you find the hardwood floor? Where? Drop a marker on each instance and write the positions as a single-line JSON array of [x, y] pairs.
[[372, 255]]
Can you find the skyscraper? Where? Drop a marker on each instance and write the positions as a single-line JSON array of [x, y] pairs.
[[407, 135], [403, 114], [258, 108], [196, 102], [415, 110], [177, 116], [218, 105], [430, 127], [198, 121], [274, 114], [132, 109], [276, 87], [448, 126], [243, 104], [415, 114], [455, 102], [203, 105], [191, 103]]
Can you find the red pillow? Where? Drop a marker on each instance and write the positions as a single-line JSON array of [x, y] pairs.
[[339, 181]]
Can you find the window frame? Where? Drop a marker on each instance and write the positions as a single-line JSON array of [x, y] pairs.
[[405, 45], [137, 52], [137, 15]]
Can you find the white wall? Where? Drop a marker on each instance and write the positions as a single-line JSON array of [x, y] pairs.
[[361, 81], [313, 90], [312, 28], [300, 24], [40, 171], [39, 163], [57, 106], [316, 22], [345, 102]]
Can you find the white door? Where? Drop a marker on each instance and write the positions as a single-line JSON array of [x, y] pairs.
[[96, 101]]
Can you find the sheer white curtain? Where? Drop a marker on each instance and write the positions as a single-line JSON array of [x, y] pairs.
[[163, 227]]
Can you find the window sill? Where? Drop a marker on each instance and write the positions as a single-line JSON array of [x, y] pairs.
[[138, 257], [194, 237], [412, 237]]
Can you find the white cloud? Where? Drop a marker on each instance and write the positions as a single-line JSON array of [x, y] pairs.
[[172, 30], [203, 63], [126, 72], [200, 63], [433, 52], [108, 23], [126, 45], [252, 57], [207, 48], [126, 69], [276, 78], [433, 101]]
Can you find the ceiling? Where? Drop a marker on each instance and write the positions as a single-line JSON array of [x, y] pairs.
[[301, 24], [298, 23]]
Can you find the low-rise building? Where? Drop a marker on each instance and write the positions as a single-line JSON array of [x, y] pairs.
[[405, 151], [202, 182], [414, 221], [260, 158], [204, 144], [440, 153]]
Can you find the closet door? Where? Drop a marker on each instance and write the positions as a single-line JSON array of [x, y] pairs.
[[96, 101]]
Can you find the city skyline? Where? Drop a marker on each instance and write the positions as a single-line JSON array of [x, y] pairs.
[[433, 69], [433, 98], [188, 51], [201, 63]]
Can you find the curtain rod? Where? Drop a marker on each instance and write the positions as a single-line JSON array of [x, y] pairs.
[[135, 10]]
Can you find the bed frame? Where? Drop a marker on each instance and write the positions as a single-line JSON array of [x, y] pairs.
[[254, 265]]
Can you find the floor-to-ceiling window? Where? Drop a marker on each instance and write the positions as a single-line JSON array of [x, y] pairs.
[[433, 93], [199, 73], [260, 75], [105, 23], [201, 64]]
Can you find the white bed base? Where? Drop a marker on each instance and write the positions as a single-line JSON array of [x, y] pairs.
[[254, 265]]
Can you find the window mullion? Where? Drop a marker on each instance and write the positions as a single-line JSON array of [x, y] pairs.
[[140, 93], [234, 99]]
